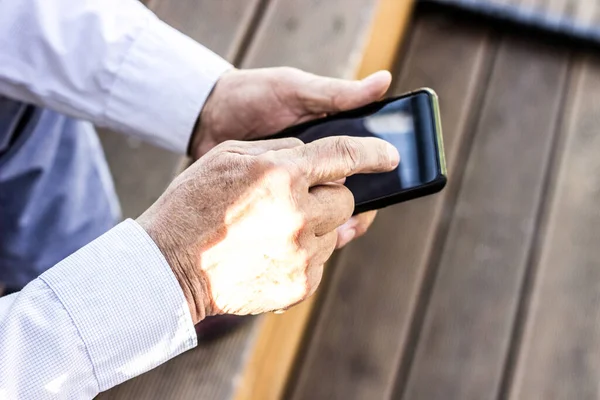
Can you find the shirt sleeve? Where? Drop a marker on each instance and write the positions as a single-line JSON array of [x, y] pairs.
[[112, 62], [105, 314]]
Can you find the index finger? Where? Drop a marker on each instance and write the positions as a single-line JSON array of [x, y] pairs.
[[337, 157]]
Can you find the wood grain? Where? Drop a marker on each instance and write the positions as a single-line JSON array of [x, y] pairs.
[[560, 356], [219, 25], [364, 321], [388, 28], [468, 325], [323, 37]]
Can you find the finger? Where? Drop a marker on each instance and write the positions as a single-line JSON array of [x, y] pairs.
[[363, 222], [259, 147], [329, 206], [314, 273], [325, 246], [321, 94], [355, 227], [333, 158]]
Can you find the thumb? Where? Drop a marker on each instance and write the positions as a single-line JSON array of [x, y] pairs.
[[328, 95]]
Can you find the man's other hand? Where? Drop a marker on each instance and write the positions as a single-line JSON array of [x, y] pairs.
[[248, 227], [255, 103], [248, 104]]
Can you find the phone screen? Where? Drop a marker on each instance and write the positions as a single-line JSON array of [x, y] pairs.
[[408, 123]]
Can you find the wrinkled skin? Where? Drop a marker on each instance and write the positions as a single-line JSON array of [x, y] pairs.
[[247, 228], [249, 104]]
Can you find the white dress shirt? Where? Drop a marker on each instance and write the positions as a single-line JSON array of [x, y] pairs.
[[114, 309]]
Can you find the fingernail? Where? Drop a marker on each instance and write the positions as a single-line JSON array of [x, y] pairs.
[[369, 79], [375, 76], [394, 156]]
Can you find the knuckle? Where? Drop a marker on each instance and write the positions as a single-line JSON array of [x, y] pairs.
[[351, 150], [261, 169], [267, 161], [335, 100], [295, 173], [281, 77], [228, 145], [259, 165], [294, 141], [286, 70], [273, 163]]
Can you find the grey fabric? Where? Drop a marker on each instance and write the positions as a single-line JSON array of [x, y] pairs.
[[56, 193]]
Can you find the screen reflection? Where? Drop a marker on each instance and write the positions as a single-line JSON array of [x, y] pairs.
[[407, 124]]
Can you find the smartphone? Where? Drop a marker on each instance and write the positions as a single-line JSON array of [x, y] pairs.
[[411, 123]]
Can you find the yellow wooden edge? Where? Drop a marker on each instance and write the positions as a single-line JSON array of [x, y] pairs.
[[387, 31], [279, 336]]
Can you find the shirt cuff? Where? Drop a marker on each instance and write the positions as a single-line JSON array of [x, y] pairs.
[[125, 302], [162, 85]]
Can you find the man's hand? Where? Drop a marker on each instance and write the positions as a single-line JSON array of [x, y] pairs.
[[354, 228], [248, 227], [255, 103], [248, 104]]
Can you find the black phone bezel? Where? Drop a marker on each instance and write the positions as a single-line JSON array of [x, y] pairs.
[[435, 186]]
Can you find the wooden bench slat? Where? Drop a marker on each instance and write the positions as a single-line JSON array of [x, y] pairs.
[[560, 355], [219, 25], [363, 324], [468, 325], [323, 37]]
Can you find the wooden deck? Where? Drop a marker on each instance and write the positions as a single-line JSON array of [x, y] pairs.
[[489, 290]]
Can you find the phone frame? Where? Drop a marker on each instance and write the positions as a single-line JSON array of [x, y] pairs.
[[436, 185]]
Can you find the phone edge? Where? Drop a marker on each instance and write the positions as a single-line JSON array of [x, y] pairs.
[[437, 119]]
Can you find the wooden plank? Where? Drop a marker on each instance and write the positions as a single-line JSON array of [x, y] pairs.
[[141, 171], [468, 325], [219, 25], [279, 337], [387, 31], [323, 37], [560, 355], [202, 373], [363, 325]]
